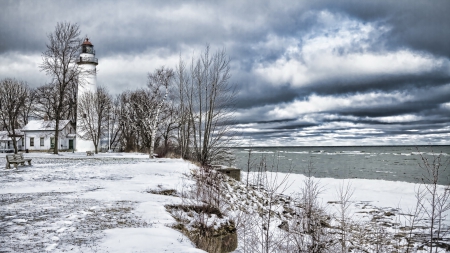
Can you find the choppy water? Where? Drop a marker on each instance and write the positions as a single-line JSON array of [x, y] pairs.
[[394, 163]]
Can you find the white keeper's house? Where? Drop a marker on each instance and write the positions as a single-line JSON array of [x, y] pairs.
[[40, 135]]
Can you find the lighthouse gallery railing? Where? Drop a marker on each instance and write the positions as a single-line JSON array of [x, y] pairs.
[[87, 60]]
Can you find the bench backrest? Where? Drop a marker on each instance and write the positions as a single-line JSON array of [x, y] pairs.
[[14, 157], [10, 157]]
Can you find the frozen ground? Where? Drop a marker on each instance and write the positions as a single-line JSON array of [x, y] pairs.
[[377, 208], [74, 203]]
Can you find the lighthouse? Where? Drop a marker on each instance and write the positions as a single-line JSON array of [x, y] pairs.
[[87, 83]]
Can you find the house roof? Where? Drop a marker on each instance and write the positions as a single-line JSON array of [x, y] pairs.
[[44, 125], [4, 136]]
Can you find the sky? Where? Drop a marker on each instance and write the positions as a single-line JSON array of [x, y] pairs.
[[308, 73]]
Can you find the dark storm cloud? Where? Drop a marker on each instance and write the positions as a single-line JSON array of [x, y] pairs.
[[295, 126], [426, 101], [254, 95], [275, 121], [306, 70], [387, 83], [421, 25], [127, 25]]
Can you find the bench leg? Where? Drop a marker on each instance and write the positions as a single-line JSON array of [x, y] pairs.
[[15, 165], [8, 166], [29, 162]]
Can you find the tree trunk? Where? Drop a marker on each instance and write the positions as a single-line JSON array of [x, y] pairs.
[[14, 144], [155, 124], [55, 146]]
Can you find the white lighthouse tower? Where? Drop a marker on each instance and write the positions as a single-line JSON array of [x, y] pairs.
[[87, 83]]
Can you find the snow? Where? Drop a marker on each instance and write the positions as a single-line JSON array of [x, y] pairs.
[[71, 202], [56, 196], [380, 193], [4, 136], [374, 203], [49, 125], [158, 239]]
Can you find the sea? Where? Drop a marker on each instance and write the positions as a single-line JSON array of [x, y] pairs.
[[393, 163]]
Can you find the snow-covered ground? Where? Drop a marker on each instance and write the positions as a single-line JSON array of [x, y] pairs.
[[367, 195], [73, 203]]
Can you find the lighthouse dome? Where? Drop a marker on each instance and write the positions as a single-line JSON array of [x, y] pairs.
[[87, 54], [87, 47]]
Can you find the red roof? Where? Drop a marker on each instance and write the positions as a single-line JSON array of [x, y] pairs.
[[87, 42]]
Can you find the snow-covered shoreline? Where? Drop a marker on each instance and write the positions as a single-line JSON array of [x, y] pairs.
[[382, 194], [75, 203]]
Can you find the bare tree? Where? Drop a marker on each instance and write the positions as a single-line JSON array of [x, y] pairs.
[[344, 193], [29, 109], [46, 97], [142, 108], [114, 122], [208, 98], [71, 111], [307, 230], [13, 97], [93, 110], [169, 122], [128, 128], [184, 96], [59, 62], [434, 199], [161, 78]]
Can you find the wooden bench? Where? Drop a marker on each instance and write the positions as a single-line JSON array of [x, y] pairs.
[[16, 159], [28, 160], [88, 153]]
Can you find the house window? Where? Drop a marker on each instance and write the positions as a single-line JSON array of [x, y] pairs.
[[52, 142], [42, 141], [31, 142], [84, 115]]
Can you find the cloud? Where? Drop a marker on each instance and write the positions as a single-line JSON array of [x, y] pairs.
[[315, 103], [24, 67], [325, 72], [128, 72], [342, 53]]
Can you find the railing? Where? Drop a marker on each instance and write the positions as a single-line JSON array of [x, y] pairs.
[[87, 60]]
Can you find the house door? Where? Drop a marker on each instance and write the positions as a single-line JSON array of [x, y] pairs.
[[52, 142], [70, 144]]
